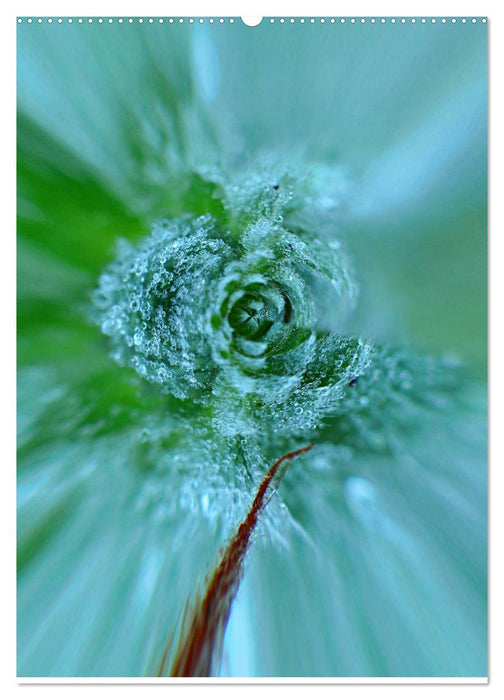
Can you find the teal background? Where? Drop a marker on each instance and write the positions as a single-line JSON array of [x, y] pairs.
[[108, 117]]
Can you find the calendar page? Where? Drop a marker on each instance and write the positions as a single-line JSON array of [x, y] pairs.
[[252, 347]]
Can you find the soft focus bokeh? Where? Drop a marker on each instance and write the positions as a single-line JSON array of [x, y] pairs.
[[371, 561]]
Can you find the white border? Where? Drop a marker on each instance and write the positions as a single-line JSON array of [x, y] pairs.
[[379, 680]]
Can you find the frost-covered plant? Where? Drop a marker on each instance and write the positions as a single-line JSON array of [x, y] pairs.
[[239, 312], [188, 324], [240, 316]]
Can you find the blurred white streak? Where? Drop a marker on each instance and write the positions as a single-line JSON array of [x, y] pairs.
[[434, 155], [206, 66], [238, 658]]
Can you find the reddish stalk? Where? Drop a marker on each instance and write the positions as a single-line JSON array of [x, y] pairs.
[[199, 651]]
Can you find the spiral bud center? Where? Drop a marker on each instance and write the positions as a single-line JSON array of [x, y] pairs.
[[242, 312]]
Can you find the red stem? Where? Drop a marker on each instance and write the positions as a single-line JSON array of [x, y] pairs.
[[199, 649]]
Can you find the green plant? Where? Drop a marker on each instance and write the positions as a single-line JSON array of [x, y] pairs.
[[187, 316]]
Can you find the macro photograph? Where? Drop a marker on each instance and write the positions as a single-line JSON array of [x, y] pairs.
[[251, 348]]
